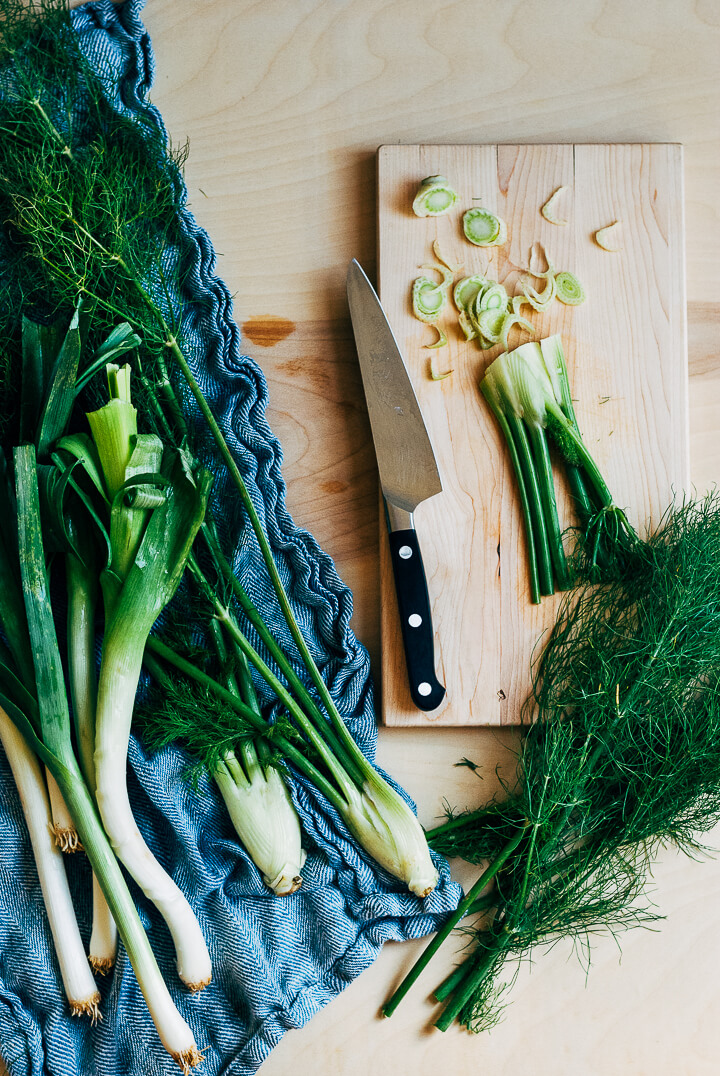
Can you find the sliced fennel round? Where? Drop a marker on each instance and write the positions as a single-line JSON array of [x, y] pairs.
[[483, 228], [494, 297], [569, 290], [434, 197], [428, 300], [466, 290]]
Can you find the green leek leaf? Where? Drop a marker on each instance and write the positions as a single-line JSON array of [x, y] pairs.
[[61, 389]]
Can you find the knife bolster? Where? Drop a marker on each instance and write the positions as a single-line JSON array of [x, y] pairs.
[[398, 519]]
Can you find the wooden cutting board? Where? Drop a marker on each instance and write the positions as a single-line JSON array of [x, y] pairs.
[[627, 356]]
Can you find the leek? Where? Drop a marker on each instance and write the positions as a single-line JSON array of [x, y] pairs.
[[82, 587], [154, 518], [80, 989], [49, 735]]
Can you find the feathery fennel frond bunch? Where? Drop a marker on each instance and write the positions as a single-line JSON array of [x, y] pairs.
[[621, 756]]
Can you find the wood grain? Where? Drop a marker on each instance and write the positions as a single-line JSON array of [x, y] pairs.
[[627, 356]]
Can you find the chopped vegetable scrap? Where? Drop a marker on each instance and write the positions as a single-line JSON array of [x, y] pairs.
[[434, 197], [568, 289], [484, 228], [610, 238], [548, 209]]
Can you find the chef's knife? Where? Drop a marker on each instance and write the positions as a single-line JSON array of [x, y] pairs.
[[408, 476]]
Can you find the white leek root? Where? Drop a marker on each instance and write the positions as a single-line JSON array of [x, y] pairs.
[[61, 824], [103, 940], [77, 977]]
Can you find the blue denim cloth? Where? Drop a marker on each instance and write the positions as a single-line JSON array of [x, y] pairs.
[[275, 961]]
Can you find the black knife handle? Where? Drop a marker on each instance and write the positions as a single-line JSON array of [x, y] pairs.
[[415, 620]]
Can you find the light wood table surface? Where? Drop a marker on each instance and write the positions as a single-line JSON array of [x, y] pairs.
[[284, 105]]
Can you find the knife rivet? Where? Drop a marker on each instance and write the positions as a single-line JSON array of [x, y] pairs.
[[424, 689], [405, 552], [414, 620]]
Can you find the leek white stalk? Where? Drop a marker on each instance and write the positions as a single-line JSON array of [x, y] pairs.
[[82, 600], [80, 988], [156, 508], [123, 648]]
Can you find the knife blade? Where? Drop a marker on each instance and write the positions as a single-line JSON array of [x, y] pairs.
[[408, 475]]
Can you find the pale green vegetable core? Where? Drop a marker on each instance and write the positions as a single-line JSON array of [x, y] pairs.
[[483, 228], [434, 197], [569, 290]]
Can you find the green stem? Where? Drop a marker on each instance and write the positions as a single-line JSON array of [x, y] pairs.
[[581, 498], [462, 971], [456, 823], [586, 461], [527, 465], [264, 545], [320, 741], [460, 912], [64, 148], [288, 749], [244, 691], [479, 966], [356, 759], [332, 753], [549, 504], [524, 499]]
